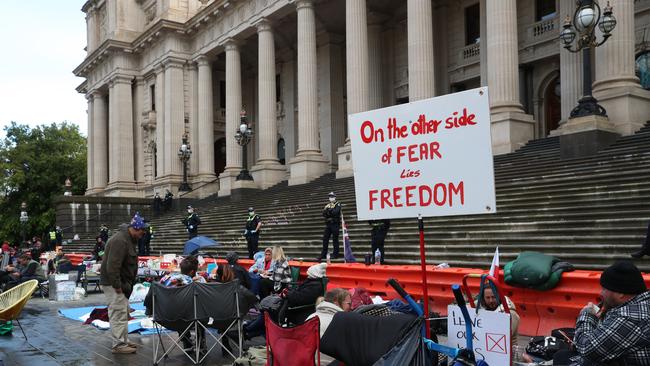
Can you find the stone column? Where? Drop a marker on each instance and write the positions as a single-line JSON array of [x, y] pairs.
[[233, 109], [174, 119], [483, 43], [617, 88], [511, 127], [570, 69], [309, 163], [100, 142], [357, 72], [375, 72], [138, 152], [160, 121], [122, 177], [420, 50], [205, 147], [267, 171], [194, 130], [90, 146]]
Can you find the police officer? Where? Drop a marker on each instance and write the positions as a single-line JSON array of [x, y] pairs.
[[157, 204], [167, 202], [144, 243], [378, 232], [332, 214], [192, 222], [103, 233], [252, 231]]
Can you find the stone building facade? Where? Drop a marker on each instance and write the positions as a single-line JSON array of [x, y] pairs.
[[158, 70]]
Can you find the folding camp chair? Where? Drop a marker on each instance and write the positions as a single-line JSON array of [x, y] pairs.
[[299, 345], [285, 309], [193, 307], [14, 300]]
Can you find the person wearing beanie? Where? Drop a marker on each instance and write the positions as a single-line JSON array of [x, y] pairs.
[[117, 277], [618, 330], [240, 272]]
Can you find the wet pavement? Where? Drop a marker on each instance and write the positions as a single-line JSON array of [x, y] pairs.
[[56, 340]]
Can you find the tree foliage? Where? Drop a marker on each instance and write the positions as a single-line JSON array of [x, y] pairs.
[[34, 163]]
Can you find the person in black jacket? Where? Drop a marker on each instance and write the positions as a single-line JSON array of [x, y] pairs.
[[192, 222], [378, 232], [157, 204], [303, 298], [332, 215], [252, 232], [240, 273], [167, 201]]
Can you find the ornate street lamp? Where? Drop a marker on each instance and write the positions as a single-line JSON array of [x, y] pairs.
[[243, 136], [585, 19], [68, 187], [23, 218], [184, 153]]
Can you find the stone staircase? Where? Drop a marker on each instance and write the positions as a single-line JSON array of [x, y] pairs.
[[588, 211]]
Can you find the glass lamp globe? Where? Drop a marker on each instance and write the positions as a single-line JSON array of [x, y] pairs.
[[242, 128], [608, 23], [585, 18], [567, 35]]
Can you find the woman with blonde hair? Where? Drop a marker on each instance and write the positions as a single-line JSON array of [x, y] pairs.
[[281, 272]]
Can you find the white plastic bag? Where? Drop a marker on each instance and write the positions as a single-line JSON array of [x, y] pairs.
[[139, 293], [79, 293]]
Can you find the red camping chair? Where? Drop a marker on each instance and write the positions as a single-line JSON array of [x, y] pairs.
[[299, 345]]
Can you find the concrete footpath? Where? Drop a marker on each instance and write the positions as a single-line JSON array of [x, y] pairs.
[[56, 340]]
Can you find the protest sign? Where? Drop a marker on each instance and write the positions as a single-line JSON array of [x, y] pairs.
[[491, 334], [431, 157]]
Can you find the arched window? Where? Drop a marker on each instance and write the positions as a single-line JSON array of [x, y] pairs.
[[281, 152], [643, 69]]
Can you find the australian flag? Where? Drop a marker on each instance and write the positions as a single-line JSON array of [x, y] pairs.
[[348, 257]]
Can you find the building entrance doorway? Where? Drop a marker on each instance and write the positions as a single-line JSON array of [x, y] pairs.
[[552, 106], [219, 156]]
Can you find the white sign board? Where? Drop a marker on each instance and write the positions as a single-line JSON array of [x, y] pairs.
[[431, 157], [491, 334]]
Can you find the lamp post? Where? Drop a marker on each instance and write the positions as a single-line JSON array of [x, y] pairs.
[[68, 187], [585, 19], [243, 136], [23, 219], [184, 153]]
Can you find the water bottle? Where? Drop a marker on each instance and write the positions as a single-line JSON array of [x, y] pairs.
[[328, 258], [377, 257]]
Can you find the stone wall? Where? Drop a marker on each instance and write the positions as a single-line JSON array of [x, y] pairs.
[[83, 215]]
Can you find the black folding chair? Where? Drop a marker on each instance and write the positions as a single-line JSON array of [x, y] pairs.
[[194, 307]]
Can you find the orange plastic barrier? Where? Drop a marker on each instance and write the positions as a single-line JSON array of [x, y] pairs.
[[540, 311]]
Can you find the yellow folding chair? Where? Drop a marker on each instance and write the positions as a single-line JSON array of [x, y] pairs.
[[13, 301]]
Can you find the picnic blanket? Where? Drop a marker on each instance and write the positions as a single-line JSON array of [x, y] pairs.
[[138, 324]]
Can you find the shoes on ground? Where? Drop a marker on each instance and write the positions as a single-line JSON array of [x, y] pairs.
[[640, 253], [124, 349]]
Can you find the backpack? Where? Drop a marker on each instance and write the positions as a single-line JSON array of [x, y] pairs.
[[545, 347]]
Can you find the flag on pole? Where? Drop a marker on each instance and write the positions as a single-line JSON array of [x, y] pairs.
[[494, 268], [348, 257]]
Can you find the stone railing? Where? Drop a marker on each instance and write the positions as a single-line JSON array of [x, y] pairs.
[[542, 31], [469, 54]]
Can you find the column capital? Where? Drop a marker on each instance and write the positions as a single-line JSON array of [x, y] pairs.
[[302, 4], [263, 25], [173, 62], [202, 60], [96, 93], [231, 44], [121, 79], [139, 80]]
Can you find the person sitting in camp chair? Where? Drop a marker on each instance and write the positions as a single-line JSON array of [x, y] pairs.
[[336, 300], [297, 303], [189, 267], [27, 269]]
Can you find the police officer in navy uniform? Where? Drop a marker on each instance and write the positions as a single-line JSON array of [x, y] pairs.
[[192, 222], [252, 232], [378, 232], [332, 215]]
